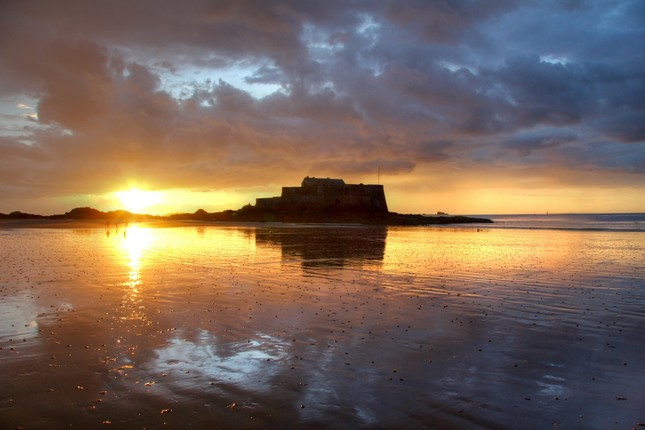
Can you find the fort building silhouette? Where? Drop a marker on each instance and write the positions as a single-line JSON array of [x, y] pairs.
[[324, 192]]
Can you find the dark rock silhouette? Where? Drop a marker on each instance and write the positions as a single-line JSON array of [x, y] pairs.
[[20, 215]]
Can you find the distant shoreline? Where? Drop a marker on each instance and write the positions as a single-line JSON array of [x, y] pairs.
[[109, 224], [44, 223], [91, 217]]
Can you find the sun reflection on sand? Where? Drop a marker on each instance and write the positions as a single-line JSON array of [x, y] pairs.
[[136, 241]]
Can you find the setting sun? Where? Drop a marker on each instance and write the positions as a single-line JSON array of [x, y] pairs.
[[135, 200]]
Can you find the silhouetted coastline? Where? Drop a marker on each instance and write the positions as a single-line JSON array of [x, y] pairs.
[[303, 214], [315, 201]]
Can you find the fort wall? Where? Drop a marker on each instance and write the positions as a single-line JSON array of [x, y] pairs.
[[324, 192]]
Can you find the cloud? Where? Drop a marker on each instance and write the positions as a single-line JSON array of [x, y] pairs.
[[169, 92], [525, 145]]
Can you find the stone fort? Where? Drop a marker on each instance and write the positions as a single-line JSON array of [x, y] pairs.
[[321, 193]]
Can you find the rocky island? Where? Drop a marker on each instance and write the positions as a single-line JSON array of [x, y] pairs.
[[317, 200], [325, 200]]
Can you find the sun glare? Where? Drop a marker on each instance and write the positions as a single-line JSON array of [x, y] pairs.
[[136, 201]]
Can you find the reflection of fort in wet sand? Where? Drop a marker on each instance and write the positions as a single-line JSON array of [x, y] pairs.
[[327, 246]]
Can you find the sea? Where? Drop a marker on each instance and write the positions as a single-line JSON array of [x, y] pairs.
[[532, 322], [623, 222]]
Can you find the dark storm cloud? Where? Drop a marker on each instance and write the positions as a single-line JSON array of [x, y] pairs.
[[442, 22], [356, 86], [545, 93], [525, 145]]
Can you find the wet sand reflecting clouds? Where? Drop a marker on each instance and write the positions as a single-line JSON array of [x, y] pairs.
[[321, 327]]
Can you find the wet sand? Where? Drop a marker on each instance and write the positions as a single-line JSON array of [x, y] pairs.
[[320, 327]]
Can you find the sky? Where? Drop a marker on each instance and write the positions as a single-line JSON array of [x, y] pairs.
[[461, 106]]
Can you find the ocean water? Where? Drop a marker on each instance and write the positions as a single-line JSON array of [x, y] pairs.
[[528, 323], [629, 222]]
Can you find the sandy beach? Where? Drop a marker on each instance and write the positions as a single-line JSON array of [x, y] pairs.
[[320, 327]]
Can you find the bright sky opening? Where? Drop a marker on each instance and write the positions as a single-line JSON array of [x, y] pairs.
[[137, 201]]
